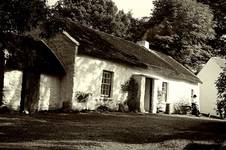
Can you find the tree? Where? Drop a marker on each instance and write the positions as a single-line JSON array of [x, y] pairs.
[[18, 16], [102, 15], [221, 88], [219, 11], [182, 28]]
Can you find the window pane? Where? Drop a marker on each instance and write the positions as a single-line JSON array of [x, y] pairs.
[[164, 91], [106, 83], [192, 93]]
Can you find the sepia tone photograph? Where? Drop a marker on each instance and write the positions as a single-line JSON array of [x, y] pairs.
[[113, 74]]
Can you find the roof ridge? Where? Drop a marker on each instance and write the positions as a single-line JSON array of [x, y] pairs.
[[148, 50], [108, 34], [154, 52], [178, 63]]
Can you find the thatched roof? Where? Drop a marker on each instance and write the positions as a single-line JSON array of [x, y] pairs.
[[105, 46]]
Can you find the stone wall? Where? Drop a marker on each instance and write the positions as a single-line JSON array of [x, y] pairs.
[[12, 89]]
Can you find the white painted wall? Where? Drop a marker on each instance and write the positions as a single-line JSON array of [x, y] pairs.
[[208, 92], [88, 75], [85, 76], [12, 89], [147, 97], [156, 84], [179, 91], [141, 80], [49, 93]]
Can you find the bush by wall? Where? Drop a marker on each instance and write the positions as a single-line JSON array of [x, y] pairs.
[[181, 108], [221, 88], [131, 87]]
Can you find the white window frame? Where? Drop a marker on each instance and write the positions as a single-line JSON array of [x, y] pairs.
[[106, 84], [165, 90]]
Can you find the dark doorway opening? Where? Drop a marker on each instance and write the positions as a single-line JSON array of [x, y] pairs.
[[151, 94], [30, 91], [148, 102]]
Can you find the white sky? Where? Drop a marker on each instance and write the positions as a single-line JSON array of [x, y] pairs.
[[139, 8]]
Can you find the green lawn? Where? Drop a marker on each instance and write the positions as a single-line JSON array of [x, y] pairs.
[[109, 131]]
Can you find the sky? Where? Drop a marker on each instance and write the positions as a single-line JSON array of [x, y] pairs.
[[139, 8]]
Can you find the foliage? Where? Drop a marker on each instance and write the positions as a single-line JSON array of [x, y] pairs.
[[221, 88], [104, 104], [122, 107], [221, 108], [4, 109], [131, 87], [103, 108], [21, 15], [219, 11], [182, 28], [82, 97], [194, 109], [18, 16], [102, 15], [160, 102], [181, 108], [221, 85]]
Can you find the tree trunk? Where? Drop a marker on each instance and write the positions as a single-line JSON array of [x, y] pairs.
[[2, 65]]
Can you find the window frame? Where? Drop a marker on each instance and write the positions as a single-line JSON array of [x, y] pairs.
[[106, 84], [165, 90]]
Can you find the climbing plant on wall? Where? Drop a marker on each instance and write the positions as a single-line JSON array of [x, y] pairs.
[[221, 88], [131, 86]]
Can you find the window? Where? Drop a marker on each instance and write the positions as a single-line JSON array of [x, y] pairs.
[[106, 83], [192, 93], [193, 96], [164, 91]]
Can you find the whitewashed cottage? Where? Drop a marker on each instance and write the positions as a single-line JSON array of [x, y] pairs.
[[94, 62]]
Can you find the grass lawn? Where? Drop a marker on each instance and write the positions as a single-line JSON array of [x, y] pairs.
[[109, 131]]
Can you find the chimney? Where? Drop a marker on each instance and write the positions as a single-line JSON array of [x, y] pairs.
[[144, 44]]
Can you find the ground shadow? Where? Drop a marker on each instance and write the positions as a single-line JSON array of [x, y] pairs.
[[110, 127], [194, 146]]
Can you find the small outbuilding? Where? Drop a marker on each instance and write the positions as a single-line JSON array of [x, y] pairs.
[[208, 91]]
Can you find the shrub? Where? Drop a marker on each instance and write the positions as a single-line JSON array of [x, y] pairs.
[[194, 109], [82, 97], [122, 107], [103, 108], [160, 102], [131, 87], [4, 109], [221, 88], [105, 104], [181, 108], [221, 108]]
